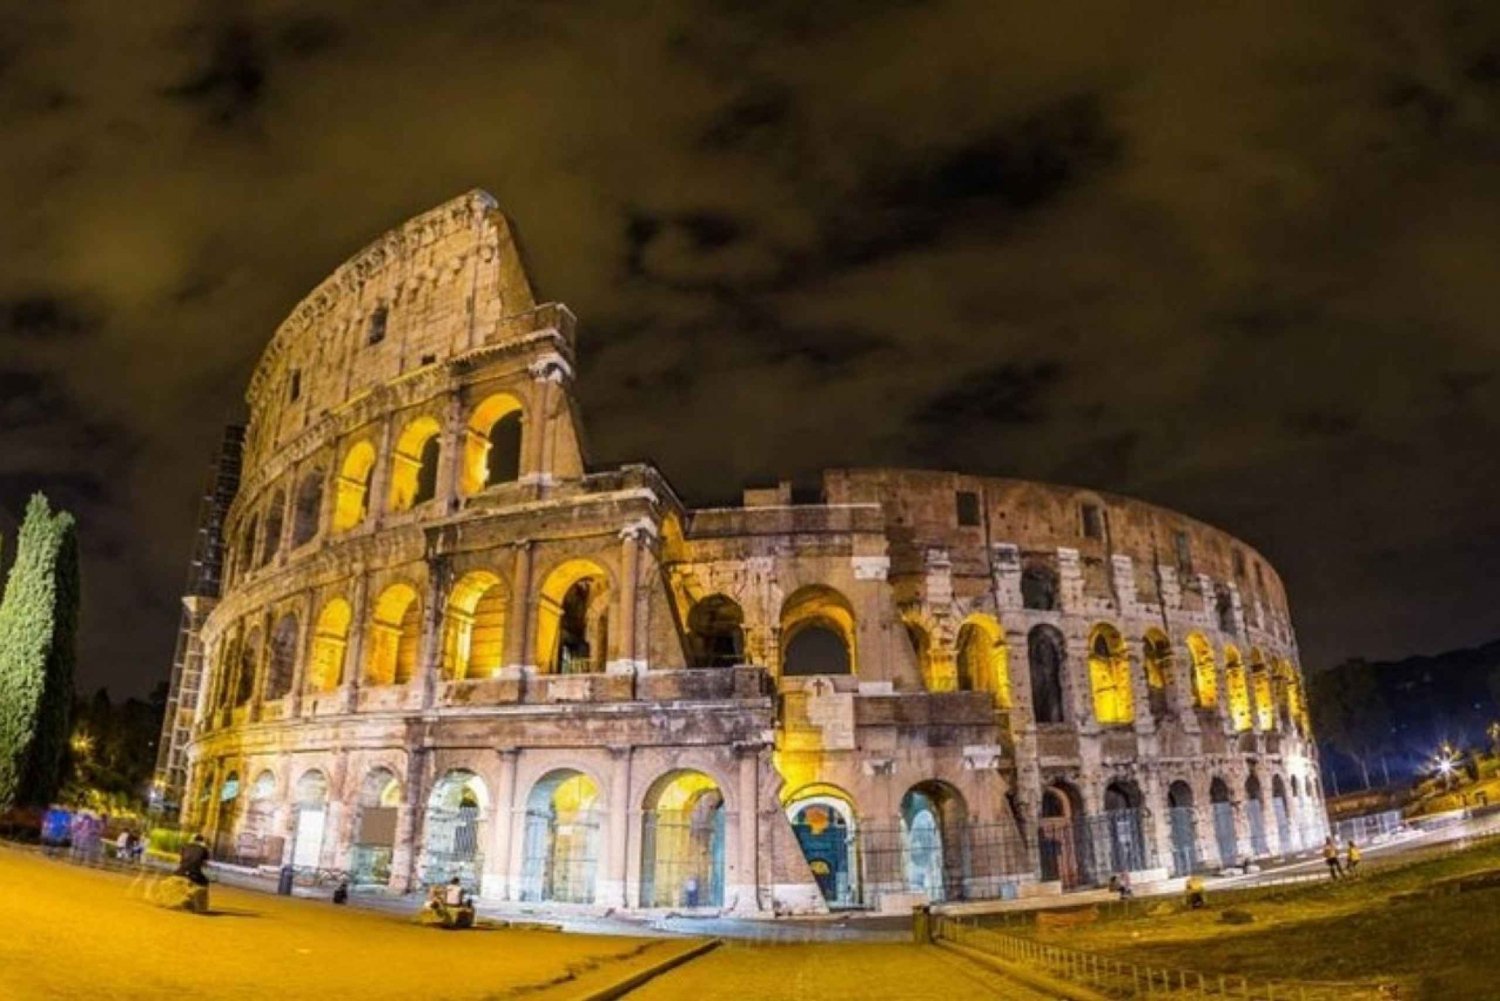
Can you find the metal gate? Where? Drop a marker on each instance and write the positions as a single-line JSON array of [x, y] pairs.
[[560, 857], [1283, 825], [452, 846], [1256, 813], [1229, 852], [683, 856], [826, 842], [1183, 821]]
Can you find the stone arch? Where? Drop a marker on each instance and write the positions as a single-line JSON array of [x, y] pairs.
[[1182, 823], [1039, 587], [1046, 654], [307, 508], [682, 841], [275, 520], [983, 660], [474, 627], [825, 822], [245, 558], [1281, 814], [561, 846], [572, 634], [1238, 689], [281, 663], [310, 796], [1255, 814], [492, 444], [1224, 611], [1226, 840], [414, 466], [1156, 661], [249, 664], [1059, 843], [351, 491], [934, 822], [395, 636], [1109, 676], [817, 633], [920, 639], [378, 809], [457, 811], [1205, 672], [716, 632], [1126, 817], [330, 640]]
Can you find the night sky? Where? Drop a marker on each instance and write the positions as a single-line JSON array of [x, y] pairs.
[[1244, 263]]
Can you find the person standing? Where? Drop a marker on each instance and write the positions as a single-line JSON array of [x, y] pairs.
[[1331, 856], [1352, 857]]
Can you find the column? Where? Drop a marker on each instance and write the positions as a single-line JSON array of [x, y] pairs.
[[354, 650], [378, 498], [626, 660], [742, 882], [497, 883], [1140, 691], [406, 854], [308, 625], [519, 620], [439, 572], [537, 426], [612, 884]]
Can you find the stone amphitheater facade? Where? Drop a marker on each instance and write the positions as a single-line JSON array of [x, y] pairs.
[[449, 646]]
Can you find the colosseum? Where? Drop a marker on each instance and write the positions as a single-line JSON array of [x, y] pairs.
[[449, 645]]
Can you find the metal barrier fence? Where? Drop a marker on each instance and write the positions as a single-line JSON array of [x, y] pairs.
[[971, 862], [1124, 979], [1363, 830]]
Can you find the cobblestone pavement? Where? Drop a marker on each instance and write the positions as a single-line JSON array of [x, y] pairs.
[[862, 971]]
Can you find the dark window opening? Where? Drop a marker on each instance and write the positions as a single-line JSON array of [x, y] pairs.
[[816, 649], [294, 389], [1093, 521], [377, 326], [1044, 649], [1039, 589], [716, 633], [427, 472], [429, 359], [1239, 563], [807, 495], [1225, 607], [968, 507], [504, 458], [573, 650], [309, 506], [1184, 552]]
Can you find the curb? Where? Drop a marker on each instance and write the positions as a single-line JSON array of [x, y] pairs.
[[620, 988], [1030, 978]]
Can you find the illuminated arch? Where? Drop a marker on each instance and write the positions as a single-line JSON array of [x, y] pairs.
[[351, 492], [1260, 691], [395, 636], [572, 631], [1238, 687], [415, 464], [491, 444], [983, 661], [330, 639], [817, 633], [716, 634], [474, 627], [682, 843], [921, 645], [1109, 676], [275, 519], [560, 849], [1205, 677], [248, 666]]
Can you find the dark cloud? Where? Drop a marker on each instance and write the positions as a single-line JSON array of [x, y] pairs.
[[1238, 264]]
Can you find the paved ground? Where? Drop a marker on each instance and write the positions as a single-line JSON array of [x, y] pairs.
[[71, 932], [862, 971]]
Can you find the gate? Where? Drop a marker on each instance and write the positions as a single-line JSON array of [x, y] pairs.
[[1183, 822], [684, 859], [561, 857], [452, 846], [1229, 852], [374, 841], [1256, 813], [824, 837]]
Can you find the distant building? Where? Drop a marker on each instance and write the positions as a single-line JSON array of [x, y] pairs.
[[447, 646], [205, 577]]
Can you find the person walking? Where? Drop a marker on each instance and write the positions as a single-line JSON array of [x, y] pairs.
[[1331, 856], [1352, 856]]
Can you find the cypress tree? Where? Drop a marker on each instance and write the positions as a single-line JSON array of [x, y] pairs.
[[38, 626]]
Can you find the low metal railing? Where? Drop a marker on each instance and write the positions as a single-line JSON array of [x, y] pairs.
[[1122, 978]]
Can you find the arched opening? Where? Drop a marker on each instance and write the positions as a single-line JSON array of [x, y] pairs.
[[270, 543], [1125, 825], [245, 559], [1256, 815], [259, 825], [414, 466], [351, 496], [454, 826], [1058, 842], [1224, 835], [1182, 819], [572, 635], [934, 819], [1260, 691], [307, 839], [492, 444], [983, 664], [375, 829], [395, 637], [249, 664], [474, 627], [227, 818], [817, 633], [1281, 815], [1044, 651], [1039, 588], [308, 507], [921, 647], [716, 634], [1224, 608], [561, 850], [1156, 659], [330, 639], [1239, 690], [282, 662], [1109, 677], [825, 828], [1205, 679], [682, 842]]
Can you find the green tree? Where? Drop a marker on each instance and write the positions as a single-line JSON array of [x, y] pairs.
[[38, 627], [1350, 712]]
